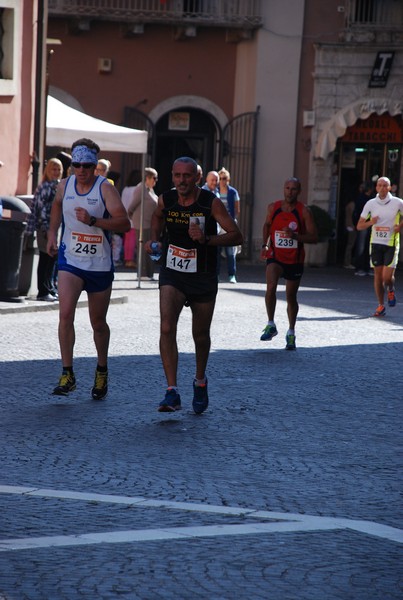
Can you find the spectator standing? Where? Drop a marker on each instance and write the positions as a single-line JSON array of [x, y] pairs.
[[351, 235], [361, 252], [230, 198], [144, 189], [211, 183], [129, 238], [90, 209], [65, 159], [383, 216], [187, 217], [199, 175], [39, 222], [102, 168]]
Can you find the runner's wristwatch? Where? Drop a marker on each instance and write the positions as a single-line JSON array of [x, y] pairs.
[[93, 220]]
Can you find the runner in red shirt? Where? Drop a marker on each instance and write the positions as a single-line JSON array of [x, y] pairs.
[[288, 225]]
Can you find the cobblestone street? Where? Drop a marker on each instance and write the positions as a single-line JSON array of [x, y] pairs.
[[287, 488]]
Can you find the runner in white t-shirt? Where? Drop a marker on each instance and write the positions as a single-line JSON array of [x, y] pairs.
[[384, 215]]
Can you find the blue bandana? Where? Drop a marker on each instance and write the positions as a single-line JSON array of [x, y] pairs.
[[83, 154]]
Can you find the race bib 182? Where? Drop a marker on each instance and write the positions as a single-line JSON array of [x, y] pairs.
[[382, 233]]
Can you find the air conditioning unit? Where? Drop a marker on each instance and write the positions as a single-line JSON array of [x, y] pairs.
[[104, 65]]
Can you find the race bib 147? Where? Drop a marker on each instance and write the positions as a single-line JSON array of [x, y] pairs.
[[182, 259]]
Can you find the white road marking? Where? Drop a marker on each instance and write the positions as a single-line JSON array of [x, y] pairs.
[[281, 522]]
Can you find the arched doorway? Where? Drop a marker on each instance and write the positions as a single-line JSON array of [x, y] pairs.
[[193, 132], [185, 131], [199, 129]]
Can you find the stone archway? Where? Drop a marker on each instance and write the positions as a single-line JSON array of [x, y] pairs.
[[198, 102], [65, 97], [336, 127]]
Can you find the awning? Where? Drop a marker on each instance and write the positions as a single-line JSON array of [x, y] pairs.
[[65, 125], [336, 127]]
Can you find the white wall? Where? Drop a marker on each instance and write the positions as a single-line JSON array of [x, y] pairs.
[[276, 80]]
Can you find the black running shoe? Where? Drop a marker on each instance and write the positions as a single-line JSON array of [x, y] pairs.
[[100, 388]]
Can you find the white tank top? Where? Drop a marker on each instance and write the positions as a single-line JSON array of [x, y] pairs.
[[83, 246]]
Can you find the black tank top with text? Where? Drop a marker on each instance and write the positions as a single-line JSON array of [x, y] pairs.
[[177, 218]]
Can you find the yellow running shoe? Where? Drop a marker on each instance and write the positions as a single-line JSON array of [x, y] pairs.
[[67, 384]]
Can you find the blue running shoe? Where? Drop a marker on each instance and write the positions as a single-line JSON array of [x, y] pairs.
[[200, 398], [171, 402], [391, 298], [290, 342], [268, 333]]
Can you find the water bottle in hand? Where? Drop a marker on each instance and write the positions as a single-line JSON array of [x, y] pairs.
[[156, 248]]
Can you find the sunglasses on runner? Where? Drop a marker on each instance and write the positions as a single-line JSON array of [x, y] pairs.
[[83, 165]]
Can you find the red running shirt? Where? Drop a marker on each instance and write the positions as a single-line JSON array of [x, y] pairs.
[[283, 248]]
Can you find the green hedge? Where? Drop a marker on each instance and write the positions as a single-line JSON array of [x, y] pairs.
[[325, 224]]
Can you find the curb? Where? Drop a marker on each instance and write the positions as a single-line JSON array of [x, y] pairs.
[[35, 306]]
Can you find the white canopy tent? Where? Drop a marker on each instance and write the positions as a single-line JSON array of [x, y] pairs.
[[65, 125]]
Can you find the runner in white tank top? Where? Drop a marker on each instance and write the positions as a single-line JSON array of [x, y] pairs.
[[89, 208], [84, 246]]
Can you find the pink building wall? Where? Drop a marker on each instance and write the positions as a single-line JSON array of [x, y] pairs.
[[145, 68], [17, 109]]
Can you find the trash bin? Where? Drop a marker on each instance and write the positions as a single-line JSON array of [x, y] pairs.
[[13, 220], [28, 254], [29, 249]]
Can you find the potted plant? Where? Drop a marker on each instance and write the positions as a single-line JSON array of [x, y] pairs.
[[316, 254]]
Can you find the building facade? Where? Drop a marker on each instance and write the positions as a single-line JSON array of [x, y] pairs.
[[266, 88], [357, 105], [21, 132]]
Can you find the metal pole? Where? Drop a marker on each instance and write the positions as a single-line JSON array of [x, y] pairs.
[[140, 242], [40, 93]]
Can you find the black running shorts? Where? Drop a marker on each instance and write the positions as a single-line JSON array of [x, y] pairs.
[[382, 255], [292, 272], [197, 287]]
